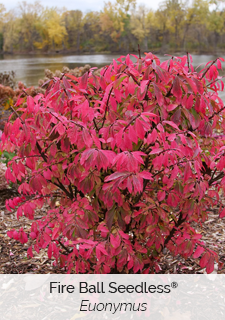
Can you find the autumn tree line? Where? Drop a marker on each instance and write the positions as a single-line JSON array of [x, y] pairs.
[[196, 26]]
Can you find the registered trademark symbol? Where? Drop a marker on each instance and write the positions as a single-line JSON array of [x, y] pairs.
[[174, 285]]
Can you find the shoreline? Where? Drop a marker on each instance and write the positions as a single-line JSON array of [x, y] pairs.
[[67, 52]]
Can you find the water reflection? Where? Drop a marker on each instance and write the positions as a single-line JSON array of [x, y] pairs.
[[29, 69]]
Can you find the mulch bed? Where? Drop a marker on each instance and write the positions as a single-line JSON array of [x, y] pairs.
[[13, 257]]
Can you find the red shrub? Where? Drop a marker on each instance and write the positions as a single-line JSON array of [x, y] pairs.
[[126, 160]]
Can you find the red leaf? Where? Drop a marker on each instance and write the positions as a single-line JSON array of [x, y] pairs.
[[119, 137], [116, 175], [87, 138], [109, 218], [133, 134], [96, 140], [210, 265], [176, 90], [156, 150], [83, 81], [36, 184], [172, 200], [198, 85], [69, 75], [219, 65], [115, 241], [19, 212], [9, 176], [22, 236], [171, 107], [145, 175], [61, 129], [152, 136], [189, 103], [10, 233], [33, 235], [47, 174], [137, 183], [66, 83], [102, 249], [204, 260], [30, 104], [163, 74], [131, 86], [222, 213], [158, 94], [198, 252], [50, 251], [187, 172], [15, 235], [176, 117], [172, 124], [29, 252], [161, 195], [139, 129], [55, 233]]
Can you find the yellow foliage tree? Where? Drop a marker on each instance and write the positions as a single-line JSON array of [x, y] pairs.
[[10, 33], [141, 23], [114, 19], [52, 29]]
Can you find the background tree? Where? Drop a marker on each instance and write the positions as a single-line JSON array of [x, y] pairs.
[[176, 13], [29, 18], [176, 26], [199, 10], [10, 34], [74, 27], [54, 28], [92, 39], [217, 21], [162, 25], [115, 20], [140, 25], [2, 10]]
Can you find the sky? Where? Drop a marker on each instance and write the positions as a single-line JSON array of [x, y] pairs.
[[83, 5]]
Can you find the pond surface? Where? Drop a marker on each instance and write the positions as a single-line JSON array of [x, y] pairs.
[[29, 69]]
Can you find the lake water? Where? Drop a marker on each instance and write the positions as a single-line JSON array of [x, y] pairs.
[[29, 69]]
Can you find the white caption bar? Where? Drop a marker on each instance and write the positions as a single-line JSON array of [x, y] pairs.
[[70, 297]]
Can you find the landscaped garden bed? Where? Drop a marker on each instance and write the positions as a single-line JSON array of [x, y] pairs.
[[120, 171]]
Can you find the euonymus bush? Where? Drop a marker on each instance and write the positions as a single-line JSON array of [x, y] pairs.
[[127, 161]]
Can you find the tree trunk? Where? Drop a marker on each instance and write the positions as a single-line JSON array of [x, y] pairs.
[[78, 41]]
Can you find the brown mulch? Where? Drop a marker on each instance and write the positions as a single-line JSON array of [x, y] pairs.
[[13, 257], [13, 254]]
